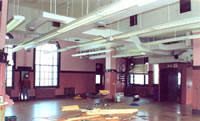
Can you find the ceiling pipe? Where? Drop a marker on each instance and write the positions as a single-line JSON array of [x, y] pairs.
[[92, 53], [99, 14]]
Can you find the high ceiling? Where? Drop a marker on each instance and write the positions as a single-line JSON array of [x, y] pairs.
[[167, 12]]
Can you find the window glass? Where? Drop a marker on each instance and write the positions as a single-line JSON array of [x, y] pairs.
[[98, 79], [155, 74], [139, 79], [46, 65], [9, 66]]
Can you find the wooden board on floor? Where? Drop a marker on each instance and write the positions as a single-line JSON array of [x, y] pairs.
[[70, 108], [110, 111], [82, 118]]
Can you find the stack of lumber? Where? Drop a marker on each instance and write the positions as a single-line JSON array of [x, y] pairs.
[[98, 114]]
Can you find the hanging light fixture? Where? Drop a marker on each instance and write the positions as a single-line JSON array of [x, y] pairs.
[[14, 22]]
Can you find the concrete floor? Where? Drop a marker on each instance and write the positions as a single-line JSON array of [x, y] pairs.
[[49, 110]]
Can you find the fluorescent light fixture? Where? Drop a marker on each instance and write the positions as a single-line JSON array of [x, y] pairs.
[[129, 54], [92, 53], [14, 22], [44, 17], [97, 57]]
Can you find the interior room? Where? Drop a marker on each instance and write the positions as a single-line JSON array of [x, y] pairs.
[[99, 60]]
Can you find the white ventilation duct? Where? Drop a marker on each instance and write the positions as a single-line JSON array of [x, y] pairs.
[[142, 48], [164, 59]]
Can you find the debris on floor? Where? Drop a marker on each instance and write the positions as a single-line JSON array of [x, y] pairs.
[[99, 114]]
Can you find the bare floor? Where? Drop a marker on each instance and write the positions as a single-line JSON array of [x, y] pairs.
[[49, 110]]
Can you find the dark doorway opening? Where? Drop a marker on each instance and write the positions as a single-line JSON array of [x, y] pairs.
[[170, 85], [99, 78]]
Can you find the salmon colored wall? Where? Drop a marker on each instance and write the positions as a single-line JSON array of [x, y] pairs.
[[189, 86], [196, 48], [82, 82], [69, 63], [24, 58], [196, 90]]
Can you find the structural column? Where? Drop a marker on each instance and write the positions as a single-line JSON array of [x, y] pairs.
[[3, 21], [110, 74], [195, 76]]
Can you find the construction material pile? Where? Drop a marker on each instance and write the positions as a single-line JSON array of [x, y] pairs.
[[100, 114]]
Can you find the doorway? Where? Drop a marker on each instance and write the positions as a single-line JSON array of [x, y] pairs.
[[170, 85], [99, 78]]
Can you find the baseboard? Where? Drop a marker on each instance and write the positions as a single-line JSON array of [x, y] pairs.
[[60, 96], [196, 112]]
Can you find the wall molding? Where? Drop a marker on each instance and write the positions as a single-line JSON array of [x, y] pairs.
[[24, 68], [83, 72], [196, 112], [196, 67]]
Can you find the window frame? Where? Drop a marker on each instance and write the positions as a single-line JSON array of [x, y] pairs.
[[13, 67], [58, 69], [144, 74]]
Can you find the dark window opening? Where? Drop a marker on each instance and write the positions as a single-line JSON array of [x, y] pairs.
[[185, 6], [133, 20]]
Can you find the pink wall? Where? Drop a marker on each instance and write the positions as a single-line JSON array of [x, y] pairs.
[[196, 90], [24, 58], [189, 86], [196, 48], [82, 82], [69, 63]]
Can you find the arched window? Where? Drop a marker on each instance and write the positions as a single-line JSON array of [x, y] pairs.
[[46, 66], [9, 66]]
